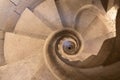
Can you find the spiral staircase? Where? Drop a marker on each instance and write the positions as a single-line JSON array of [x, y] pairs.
[[59, 40]]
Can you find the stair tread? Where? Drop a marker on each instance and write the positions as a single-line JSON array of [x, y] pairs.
[[22, 70], [47, 11], [96, 29], [30, 25], [95, 44], [17, 47], [44, 73]]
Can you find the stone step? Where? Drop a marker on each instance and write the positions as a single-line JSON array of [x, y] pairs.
[[29, 24], [48, 13], [17, 47], [10, 11], [22, 70]]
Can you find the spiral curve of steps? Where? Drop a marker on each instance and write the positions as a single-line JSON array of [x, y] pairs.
[[58, 40]]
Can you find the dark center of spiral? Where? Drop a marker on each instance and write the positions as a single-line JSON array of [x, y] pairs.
[[69, 47]]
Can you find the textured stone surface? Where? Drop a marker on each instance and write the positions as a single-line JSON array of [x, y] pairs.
[[22, 70], [17, 47], [8, 17], [22, 4], [92, 24], [44, 73], [110, 72], [2, 33], [118, 30], [10, 11], [24, 54], [68, 9], [98, 4], [47, 11], [94, 17], [115, 55], [30, 25], [2, 59]]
